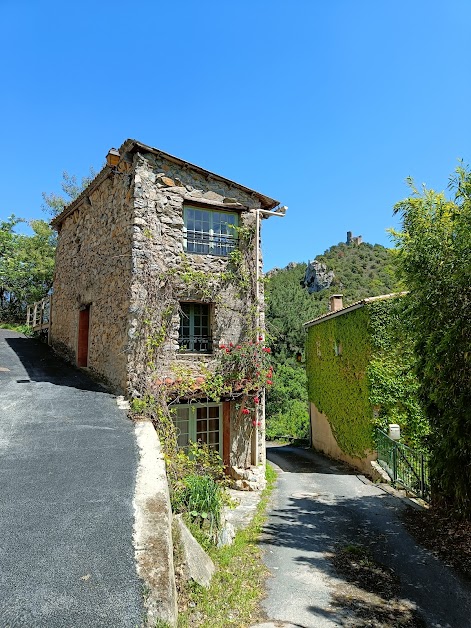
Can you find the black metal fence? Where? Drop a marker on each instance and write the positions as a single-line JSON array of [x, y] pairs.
[[195, 344], [406, 467]]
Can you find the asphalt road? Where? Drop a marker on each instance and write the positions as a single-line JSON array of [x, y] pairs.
[[320, 506], [68, 461]]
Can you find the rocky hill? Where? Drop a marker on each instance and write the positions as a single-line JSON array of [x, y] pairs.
[[301, 291]]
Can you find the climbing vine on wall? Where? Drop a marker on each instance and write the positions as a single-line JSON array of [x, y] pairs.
[[394, 387], [235, 371], [338, 351], [361, 374]]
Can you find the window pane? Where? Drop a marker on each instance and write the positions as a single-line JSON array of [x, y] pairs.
[[182, 424], [213, 425], [207, 231], [201, 412], [195, 330]]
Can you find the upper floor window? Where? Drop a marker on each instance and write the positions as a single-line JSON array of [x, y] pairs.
[[209, 232], [195, 328]]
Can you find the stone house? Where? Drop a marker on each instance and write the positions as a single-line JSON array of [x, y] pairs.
[[158, 266], [359, 365]]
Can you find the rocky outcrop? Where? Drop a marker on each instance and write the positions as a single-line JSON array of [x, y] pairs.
[[317, 277]]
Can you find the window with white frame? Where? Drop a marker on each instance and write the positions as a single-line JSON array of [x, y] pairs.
[[199, 423], [194, 335], [209, 232]]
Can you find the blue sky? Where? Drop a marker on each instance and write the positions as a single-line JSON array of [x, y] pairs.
[[325, 105]]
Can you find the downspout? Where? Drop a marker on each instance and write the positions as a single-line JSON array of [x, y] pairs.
[[279, 211]]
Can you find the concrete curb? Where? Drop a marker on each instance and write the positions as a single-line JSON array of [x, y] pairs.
[[153, 528], [386, 487]]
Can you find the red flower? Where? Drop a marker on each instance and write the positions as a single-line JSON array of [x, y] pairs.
[[230, 344], [256, 400], [269, 382], [254, 423], [260, 337], [245, 411], [238, 347], [222, 346], [228, 350]]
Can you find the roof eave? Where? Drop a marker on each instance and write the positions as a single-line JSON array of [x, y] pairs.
[[130, 146], [350, 308]]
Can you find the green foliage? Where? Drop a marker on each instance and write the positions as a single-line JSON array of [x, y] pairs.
[[246, 366], [26, 267], [27, 261], [361, 374], [22, 329], [360, 271], [394, 387], [338, 352], [71, 187], [435, 260], [287, 403], [237, 587], [196, 478], [201, 498]]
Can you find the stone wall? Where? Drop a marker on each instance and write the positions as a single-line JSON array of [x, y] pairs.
[[161, 190], [121, 252], [93, 267]]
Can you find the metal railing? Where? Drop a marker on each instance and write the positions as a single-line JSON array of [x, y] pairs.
[[195, 344], [209, 244], [406, 467]]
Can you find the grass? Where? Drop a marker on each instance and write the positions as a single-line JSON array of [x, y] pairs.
[[238, 584], [22, 329]]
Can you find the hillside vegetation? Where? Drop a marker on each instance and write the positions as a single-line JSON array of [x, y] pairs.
[[360, 271]]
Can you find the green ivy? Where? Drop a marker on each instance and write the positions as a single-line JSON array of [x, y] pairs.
[[394, 387], [360, 370], [337, 384]]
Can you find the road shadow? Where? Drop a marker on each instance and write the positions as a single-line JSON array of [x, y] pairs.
[[318, 525], [305, 460], [43, 365]]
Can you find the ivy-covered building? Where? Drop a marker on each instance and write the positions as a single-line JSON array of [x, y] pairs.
[[359, 363], [158, 270]]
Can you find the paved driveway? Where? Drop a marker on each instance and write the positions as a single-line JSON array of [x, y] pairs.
[[68, 460], [318, 507]]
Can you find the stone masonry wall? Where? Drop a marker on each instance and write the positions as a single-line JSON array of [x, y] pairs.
[[121, 252], [161, 190], [93, 266]]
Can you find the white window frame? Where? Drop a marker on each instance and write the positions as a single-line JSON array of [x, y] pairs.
[[212, 244], [192, 419]]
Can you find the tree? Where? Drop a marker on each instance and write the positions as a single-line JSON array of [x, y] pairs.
[[287, 403], [360, 271], [435, 259], [27, 261], [26, 267], [55, 203]]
